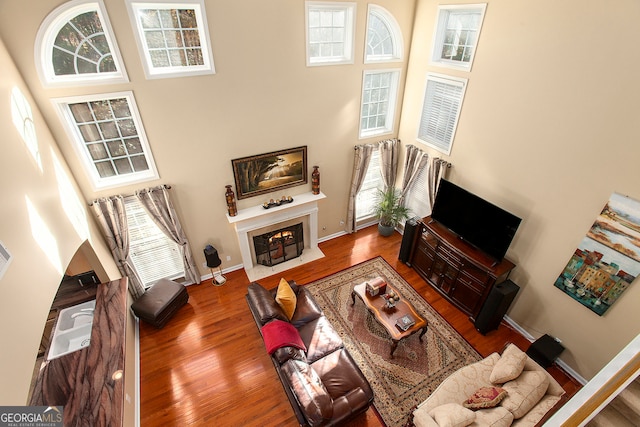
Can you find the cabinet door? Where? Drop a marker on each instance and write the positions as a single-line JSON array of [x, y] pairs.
[[443, 274], [467, 293], [467, 297], [422, 260], [471, 285]]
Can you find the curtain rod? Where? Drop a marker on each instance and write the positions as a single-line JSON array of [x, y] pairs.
[[167, 186], [438, 160]]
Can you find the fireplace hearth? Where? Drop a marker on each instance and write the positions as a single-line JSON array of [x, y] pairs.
[[278, 246]]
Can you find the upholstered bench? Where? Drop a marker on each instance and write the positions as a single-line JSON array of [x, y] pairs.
[[160, 302]]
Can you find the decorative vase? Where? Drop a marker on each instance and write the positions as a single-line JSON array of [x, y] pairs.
[[231, 201], [315, 180]]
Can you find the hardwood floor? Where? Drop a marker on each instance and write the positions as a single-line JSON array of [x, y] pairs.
[[208, 365]]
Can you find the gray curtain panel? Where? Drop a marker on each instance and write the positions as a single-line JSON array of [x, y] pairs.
[[112, 219], [389, 161], [414, 161], [360, 165], [158, 204], [439, 169]]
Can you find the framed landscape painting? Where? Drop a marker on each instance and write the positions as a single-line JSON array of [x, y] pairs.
[[264, 173], [607, 261]]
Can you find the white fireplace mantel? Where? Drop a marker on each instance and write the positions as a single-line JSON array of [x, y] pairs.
[[256, 217]]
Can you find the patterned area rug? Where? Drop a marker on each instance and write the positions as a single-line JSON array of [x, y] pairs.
[[417, 368]]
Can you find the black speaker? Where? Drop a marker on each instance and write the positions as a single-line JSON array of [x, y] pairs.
[[410, 227], [545, 350], [495, 306]]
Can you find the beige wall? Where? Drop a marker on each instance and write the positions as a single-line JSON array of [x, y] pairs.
[[39, 233], [549, 129]]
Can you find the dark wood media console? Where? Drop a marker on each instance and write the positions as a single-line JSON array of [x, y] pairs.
[[459, 271]]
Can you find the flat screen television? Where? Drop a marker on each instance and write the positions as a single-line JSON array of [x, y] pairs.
[[475, 220]]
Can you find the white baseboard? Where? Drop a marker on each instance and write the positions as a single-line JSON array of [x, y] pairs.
[[332, 236]]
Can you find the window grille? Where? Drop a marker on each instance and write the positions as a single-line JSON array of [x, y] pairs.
[[379, 94], [75, 46], [173, 38], [109, 138], [457, 34], [330, 27], [384, 38]]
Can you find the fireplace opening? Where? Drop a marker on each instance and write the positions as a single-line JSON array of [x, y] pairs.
[[278, 246]]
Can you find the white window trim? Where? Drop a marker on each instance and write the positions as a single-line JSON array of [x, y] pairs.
[[438, 35], [152, 72], [394, 28], [350, 28], [441, 78], [391, 107], [46, 36], [5, 259], [99, 183]]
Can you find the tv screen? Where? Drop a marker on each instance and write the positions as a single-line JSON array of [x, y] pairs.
[[475, 220]]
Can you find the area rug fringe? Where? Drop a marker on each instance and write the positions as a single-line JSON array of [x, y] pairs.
[[399, 384]]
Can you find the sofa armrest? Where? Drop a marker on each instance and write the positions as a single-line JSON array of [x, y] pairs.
[[262, 304], [458, 386], [354, 402], [312, 397], [555, 389], [288, 353]]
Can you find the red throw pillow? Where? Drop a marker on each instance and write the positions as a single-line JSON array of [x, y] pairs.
[[485, 397]]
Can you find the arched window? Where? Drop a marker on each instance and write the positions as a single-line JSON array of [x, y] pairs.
[[384, 39], [74, 46]]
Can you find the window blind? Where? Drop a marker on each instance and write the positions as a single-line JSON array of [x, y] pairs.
[[153, 254], [365, 200], [418, 195], [440, 111]]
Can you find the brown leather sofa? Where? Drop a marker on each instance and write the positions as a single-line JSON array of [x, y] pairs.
[[323, 384]]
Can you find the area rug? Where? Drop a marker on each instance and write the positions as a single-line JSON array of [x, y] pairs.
[[417, 368]]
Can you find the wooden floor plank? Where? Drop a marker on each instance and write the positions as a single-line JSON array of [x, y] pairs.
[[208, 365]]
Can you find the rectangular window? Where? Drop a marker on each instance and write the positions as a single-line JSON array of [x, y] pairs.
[[440, 111], [365, 200], [5, 259], [153, 254], [109, 138], [457, 34], [417, 198], [173, 37], [379, 94], [330, 28]]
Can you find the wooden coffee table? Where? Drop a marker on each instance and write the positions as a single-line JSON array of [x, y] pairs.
[[387, 317]]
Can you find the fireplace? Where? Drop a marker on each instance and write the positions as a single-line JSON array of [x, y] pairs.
[[278, 246], [256, 220]]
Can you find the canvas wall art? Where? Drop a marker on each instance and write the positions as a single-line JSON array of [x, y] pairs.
[[264, 173], [607, 260]]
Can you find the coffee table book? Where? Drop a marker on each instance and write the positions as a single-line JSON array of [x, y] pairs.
[[405, 322]]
